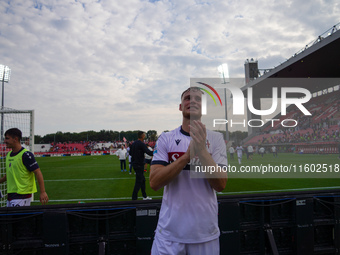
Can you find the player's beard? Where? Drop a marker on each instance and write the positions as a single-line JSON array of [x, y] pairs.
[[191, 116]]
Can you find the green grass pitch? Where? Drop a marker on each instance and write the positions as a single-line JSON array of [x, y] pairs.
[[98, 178]]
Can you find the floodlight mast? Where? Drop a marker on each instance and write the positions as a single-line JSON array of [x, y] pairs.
[[224, 74], [5, 73]]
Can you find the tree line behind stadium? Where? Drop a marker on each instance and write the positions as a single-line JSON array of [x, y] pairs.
[[109, 135]]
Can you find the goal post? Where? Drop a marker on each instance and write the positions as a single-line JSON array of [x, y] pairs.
[[23, 120]]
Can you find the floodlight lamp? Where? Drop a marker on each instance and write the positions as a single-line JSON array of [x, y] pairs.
[[5, 73], [223, 72]]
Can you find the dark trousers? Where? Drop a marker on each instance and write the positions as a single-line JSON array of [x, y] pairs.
[[140, 181], [122, 164]]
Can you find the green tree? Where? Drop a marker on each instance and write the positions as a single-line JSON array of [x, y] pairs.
[[151, 135]]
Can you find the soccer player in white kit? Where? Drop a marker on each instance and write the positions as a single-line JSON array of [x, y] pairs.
[[239, 151], [231, 151], [188, 220], [274, 151], [250, 152]]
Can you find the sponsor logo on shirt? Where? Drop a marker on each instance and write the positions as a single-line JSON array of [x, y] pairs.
[[173, 156], [35, 163]]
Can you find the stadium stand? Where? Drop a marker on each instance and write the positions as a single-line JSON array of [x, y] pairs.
[[77, 149], [318, 133]]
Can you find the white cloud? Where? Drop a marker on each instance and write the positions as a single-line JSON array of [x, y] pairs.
[[93, 65]]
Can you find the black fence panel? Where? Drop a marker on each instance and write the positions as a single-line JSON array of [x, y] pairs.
[[278, 223]]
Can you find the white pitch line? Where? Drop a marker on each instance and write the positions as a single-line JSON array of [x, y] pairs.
[[92, 199], [220, 193], [94, 179]]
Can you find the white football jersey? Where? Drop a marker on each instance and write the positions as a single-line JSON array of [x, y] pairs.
[[189, 211], [239, 151]]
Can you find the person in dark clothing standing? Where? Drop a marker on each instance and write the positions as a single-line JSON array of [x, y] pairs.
[[138, 148]]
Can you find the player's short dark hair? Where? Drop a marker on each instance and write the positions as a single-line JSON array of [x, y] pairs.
[[14, 132], [193, 89], [140, 134]]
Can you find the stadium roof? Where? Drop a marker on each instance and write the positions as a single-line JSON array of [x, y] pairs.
[[319, 60]]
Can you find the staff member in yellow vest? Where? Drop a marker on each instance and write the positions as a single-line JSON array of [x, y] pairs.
[[21, 167]]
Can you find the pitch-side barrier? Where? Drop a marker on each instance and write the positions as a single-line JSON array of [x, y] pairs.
[[276, 223]]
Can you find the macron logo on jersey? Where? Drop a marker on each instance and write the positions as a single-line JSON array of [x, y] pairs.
[[178, 141]]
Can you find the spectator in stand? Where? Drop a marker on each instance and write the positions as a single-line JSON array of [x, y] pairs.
[[121, 153]]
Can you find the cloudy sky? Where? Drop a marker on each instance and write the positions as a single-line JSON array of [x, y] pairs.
[[121, 65]]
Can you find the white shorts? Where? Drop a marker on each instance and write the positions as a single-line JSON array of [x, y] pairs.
[[19, 202], [164, 247]]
